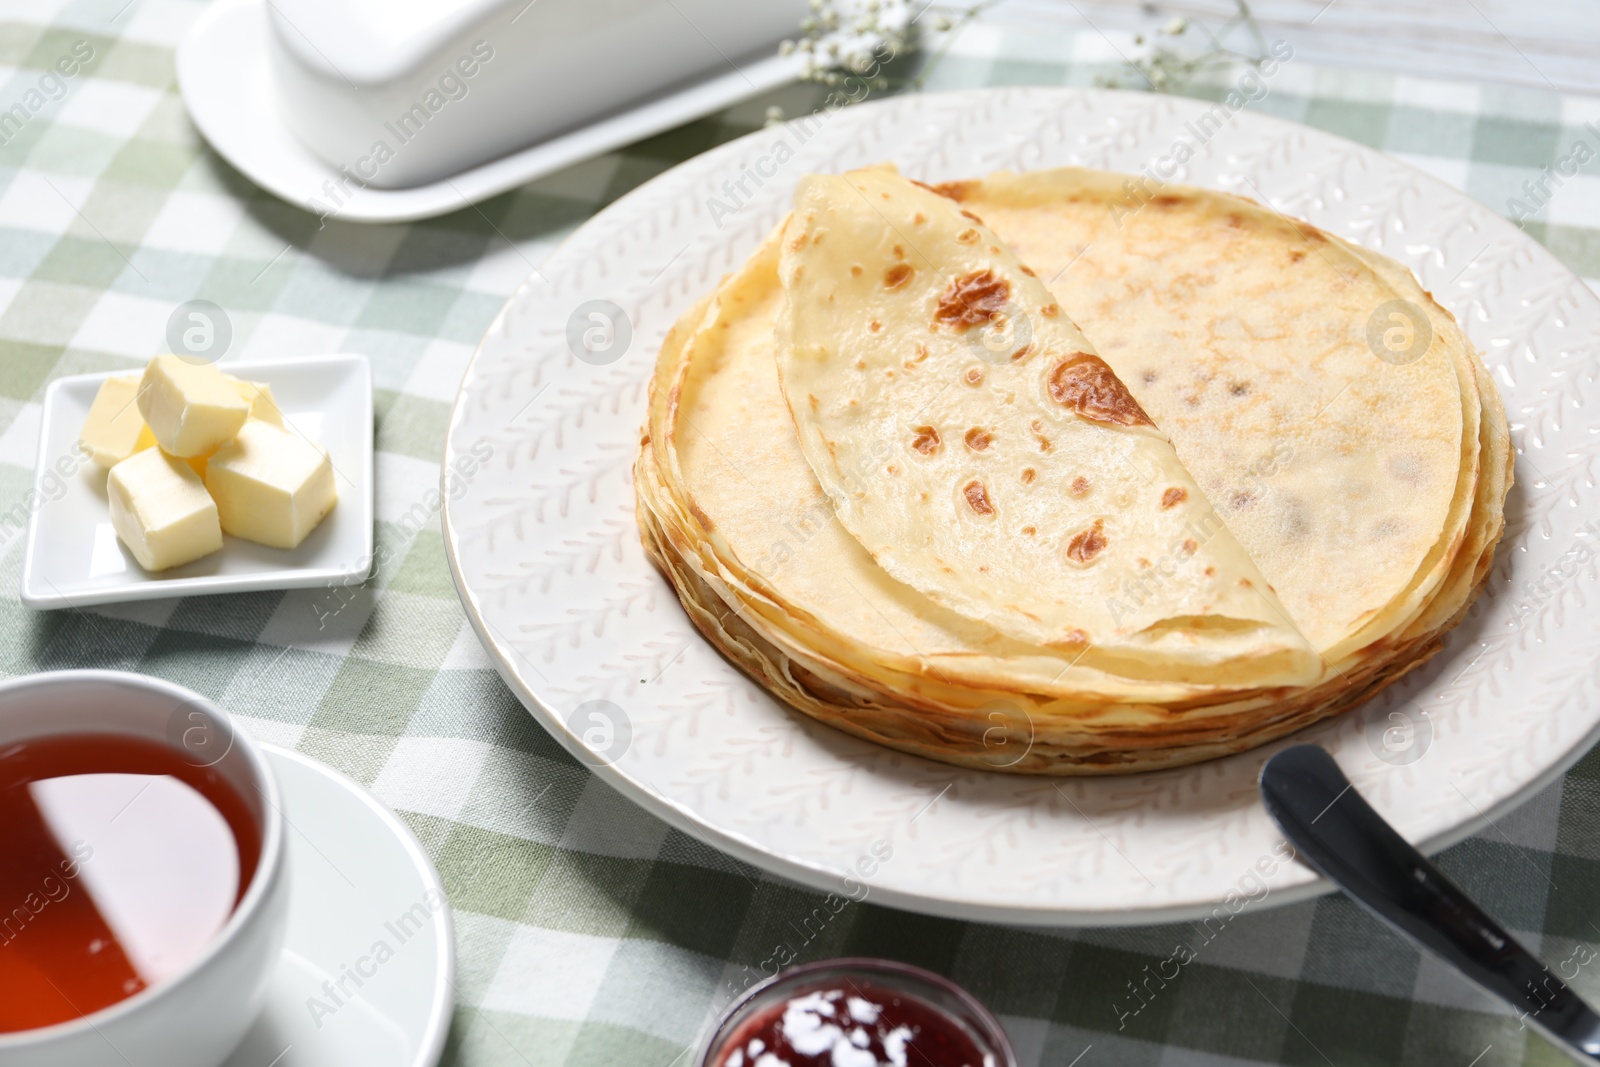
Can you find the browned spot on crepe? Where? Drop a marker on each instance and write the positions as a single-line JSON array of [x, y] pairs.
[[1089, 386]]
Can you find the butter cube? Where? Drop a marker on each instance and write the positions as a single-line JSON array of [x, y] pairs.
[[191, 407], [259, 396], [271, 486], [161, 511], [262, 406], [114, 429]]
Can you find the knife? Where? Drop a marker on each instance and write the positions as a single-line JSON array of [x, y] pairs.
[[1339, 835]]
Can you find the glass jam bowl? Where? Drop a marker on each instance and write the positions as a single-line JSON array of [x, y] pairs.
[[857, 1012]]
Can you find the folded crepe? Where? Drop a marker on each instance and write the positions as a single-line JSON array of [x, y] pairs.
[[822, 574], [1025, 489], [1345, 469]]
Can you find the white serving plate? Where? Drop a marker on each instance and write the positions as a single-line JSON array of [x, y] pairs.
[[358, 877], [225, 74], [73, 557], [546, 555]]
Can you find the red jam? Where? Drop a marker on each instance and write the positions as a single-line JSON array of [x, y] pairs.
[[856, 1026]]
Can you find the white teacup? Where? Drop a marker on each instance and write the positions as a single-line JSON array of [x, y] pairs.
[[196, 1017]]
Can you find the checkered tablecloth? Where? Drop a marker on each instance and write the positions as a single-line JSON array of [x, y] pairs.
[[588, 932]]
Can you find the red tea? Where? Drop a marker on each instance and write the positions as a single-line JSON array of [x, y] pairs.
[[121, 862]]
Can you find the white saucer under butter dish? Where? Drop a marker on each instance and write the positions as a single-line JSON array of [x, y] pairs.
[[388, 112], [73, 557]]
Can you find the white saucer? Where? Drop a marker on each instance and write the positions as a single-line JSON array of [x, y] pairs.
[[226, 83], [73, 558], [355, 872]]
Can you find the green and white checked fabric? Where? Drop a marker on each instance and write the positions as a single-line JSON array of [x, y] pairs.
[[590, 933]]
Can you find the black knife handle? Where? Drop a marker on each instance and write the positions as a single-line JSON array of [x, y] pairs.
[[1337, 833]]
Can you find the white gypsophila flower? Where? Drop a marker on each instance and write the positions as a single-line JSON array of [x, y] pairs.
[[854, 35]]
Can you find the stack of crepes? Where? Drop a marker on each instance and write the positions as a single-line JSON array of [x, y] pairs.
[[1054, 473]]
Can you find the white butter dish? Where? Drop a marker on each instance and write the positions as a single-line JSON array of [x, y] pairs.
[[240, 75], [407, 93]]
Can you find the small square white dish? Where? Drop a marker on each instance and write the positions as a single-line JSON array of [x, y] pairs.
[[73, 557]]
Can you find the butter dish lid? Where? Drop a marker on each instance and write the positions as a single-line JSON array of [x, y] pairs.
[[373, 42]]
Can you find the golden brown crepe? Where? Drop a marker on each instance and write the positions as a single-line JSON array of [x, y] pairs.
[[1024, 492], [734, 513], [1245, 334]]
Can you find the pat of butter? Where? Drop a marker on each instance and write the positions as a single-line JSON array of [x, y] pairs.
[[271, 486], [114, 429], [161, 510], [191, 407], [262, 406], [259, 396]]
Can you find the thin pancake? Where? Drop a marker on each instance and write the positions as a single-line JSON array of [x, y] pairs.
[[1027, 491], [729, 510], [973, 698], [1245, 335]]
